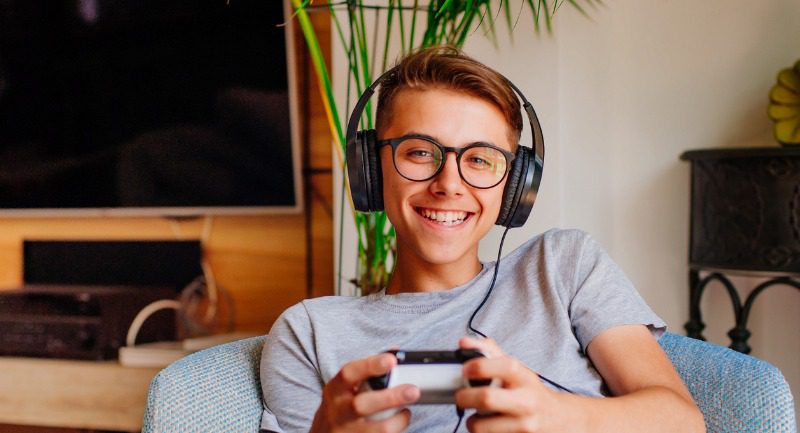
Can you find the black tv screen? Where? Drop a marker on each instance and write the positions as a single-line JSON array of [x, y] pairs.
[[146, 106]]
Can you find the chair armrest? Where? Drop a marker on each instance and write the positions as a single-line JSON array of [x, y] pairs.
[[216, 389], [735, 392]]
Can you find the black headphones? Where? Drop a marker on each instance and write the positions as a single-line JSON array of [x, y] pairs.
[[366, 178]]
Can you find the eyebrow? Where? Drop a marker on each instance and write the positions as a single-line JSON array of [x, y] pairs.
[[412, 132]]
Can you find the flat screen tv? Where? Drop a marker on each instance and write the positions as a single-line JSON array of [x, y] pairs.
[[147, 107]]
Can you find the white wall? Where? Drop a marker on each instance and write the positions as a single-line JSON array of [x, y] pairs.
[[620, 97]]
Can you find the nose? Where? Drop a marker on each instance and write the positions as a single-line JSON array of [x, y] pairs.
[[448, 182]]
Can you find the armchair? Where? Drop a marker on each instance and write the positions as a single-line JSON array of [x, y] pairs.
[[218, 389]]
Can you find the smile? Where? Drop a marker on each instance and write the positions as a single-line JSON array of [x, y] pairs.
[[444, 217]]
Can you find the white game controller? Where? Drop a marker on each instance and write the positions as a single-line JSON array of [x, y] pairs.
[[436, 373]]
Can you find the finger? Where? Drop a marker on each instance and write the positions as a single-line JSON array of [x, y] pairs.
[[487, 346], [368, 403], [515, 402], [509, 371], [355, 372], [493, 424], [396, 423]]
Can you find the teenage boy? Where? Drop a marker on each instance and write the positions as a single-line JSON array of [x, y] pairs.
[[560, 312]]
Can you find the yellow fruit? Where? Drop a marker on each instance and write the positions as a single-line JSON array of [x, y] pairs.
[[790, 79], [784, 95], [788, 131], [783, 112], [784, 107]]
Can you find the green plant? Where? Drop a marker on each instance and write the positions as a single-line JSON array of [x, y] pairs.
[[411, 25]]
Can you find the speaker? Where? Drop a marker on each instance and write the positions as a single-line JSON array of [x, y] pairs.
[[161, 263]]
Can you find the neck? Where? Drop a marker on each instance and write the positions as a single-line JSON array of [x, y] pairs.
[[414, 275]]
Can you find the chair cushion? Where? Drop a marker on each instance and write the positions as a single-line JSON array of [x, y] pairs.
[[735, 392]]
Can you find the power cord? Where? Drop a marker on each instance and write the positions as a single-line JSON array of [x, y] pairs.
[[186, 307], [146, 312]]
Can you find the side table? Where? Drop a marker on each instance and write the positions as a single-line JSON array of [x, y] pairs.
[[745, 220]]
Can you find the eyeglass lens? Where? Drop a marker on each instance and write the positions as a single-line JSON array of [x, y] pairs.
[[480, 166]]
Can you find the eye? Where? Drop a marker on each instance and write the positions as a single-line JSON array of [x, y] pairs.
[[482, 159], [479, 162], [418, 152]]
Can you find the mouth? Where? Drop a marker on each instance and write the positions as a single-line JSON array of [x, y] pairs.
[[444, 217]]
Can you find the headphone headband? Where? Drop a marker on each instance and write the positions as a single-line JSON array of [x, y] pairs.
[[358, 110]]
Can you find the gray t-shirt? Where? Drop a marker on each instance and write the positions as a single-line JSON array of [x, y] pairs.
[[553, 295]]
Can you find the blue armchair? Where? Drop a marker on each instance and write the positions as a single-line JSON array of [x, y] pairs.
[[218, 389]]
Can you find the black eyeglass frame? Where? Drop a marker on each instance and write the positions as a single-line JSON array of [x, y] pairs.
[[394, 142]]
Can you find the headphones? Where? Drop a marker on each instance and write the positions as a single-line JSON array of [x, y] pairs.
[[366, 177]]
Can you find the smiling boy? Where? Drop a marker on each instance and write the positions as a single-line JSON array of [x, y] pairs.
[[561, 311]]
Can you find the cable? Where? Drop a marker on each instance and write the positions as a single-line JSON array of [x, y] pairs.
[[146, 312], [212, 290], [460, 413], [486, 298], [555, 384], [191, 296], [211, 282], [190, 300], [491, 287]]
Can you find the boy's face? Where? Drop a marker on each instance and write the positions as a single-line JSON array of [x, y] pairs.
[[441, 220]]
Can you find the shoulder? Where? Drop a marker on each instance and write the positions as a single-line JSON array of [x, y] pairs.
[[567, 238], [563, 258], [303, 313], [295, 327], [555, 244]]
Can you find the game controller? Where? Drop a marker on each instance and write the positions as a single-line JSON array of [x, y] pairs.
[[437, 374]]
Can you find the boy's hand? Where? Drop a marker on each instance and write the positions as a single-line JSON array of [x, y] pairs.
[[344, 408], [521, 404]]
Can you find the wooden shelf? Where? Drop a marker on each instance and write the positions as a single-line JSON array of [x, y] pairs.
[[98, 395]]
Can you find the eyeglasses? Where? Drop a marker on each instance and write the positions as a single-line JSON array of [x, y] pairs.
[[420, 158]]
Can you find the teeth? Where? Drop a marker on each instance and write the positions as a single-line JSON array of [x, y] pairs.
[[445, 217]]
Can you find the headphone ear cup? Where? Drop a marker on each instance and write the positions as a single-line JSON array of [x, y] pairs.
[[357, 173], [373, 169], [510, 190], [520, 191]]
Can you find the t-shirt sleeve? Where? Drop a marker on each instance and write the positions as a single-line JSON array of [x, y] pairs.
[[602, 296], [290, 381]]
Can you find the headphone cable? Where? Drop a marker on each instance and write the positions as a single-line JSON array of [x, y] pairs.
[[486, 298], [460, 414], [491, 286]]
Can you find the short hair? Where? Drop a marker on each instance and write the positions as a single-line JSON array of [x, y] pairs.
[[446, 67]]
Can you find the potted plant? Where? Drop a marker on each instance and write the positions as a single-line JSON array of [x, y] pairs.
[[369, 32]]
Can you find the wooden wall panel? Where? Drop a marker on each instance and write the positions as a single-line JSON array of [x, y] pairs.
[[318, 162], [257, 259], [319, 156], [322, 235]]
